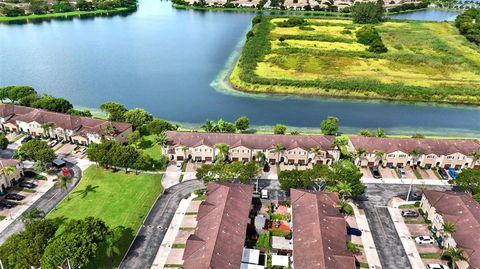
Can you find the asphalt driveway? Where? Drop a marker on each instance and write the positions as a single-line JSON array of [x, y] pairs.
[[144, 248]]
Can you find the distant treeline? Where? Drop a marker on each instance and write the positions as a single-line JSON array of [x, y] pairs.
[[468, 24]]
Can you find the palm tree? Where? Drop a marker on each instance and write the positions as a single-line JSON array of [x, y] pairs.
[[260, 158], [107, 129], [475, 157], [161, 139], [415, 153], [184, 149], [47, 127], [279, 149], [344, 189], [63, 182], [455, 254], [379, 155], [447, 230], [9, 170], [222, 152], [360, 153], [317, 151]]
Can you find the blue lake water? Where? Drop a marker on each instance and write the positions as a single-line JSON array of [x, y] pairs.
[[427, 15], [172, 63]]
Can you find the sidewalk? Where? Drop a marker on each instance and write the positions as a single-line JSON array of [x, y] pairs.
[[367, 239], [169, 239], [407, 242], [406, 181], [20, 209]]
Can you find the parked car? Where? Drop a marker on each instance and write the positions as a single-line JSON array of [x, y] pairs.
[[25, 139], [28, 185], [436, 266], [14, 196], [52, 143], [179, 165], [424, 240], [354, 231], [7, 204], [402, 172], [375, 172], [443, 173], [452, 173], [409, 214], [264, 194], [415, 196], [67, 172]]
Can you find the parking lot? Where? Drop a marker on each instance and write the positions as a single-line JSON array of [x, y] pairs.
[[392, 173]]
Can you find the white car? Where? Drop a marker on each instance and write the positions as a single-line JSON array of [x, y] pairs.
[[264, 194], [424, 240], [179, 165], [436, 266]]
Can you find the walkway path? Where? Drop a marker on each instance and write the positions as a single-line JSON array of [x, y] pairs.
[[406, 181], [44, 202], [169, 239], [145, 246]]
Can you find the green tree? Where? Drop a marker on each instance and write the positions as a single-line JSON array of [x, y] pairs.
[[279, 129], [242, 123], [279, 149], [54, 104], [448, 228], [367, 12], [380, 133], [83, 113], [37, 150], [260, 158], [15, 93], [32, 214], [84, 5], [143, 162], [137, 117], [3, 142], [365, 133], [63, 182], [209, 126], [62, 6], [134, 138], [47, 127], [379, 154], [418, 135], [415, 154], [345, 171], [469, 180], [329, 126], [78, 243], [125, 156], [25, 249], [454, 254], [158, 126], [115, 111]]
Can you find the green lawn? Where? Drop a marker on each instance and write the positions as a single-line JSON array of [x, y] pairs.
[[151, 148], [122, 201]]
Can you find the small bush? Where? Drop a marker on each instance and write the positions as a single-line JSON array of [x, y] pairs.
[[292, 22], [346, 32], [352, 247], [306, 28]]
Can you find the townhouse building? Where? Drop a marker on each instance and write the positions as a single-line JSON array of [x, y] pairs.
[[423, 152], [72, 128], [11, 171], [461, 210], [289, 149]]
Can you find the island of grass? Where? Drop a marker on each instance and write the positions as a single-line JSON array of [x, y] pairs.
[[425, 61], [121, 200]]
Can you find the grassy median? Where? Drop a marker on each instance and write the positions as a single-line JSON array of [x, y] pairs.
[[426, 61], [122, 201]]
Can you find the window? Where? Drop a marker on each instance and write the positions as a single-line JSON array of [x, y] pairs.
[[430, 157], [391, 156], [461, 157], [450, 157], [402, 156]]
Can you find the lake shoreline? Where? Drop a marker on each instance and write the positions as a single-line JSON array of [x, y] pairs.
[[65, 14]]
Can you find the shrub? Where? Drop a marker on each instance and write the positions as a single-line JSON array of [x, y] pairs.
[[377, 47], [346, 32], [367, 35], [292, 22], [352, 247], [306, 28]]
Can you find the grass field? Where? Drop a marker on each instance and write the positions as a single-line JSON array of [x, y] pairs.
[[426, 61], [122, 201]]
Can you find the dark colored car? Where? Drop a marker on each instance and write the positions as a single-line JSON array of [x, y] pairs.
[[409, 214], [7, 204], [452, 173], [354, 231], [443, 173], [415, 196], [28, 185], [14, 196], [25, 139], [375, 172]]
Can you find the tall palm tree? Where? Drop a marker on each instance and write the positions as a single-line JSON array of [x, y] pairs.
[[222, 152], [415, 153], [161, 139], [279, 149], [185, 150], [475, 156], [260, 158], [360, 154], [63, 182], [344, 189], [379, 155], [455, 254], [9, 170], [47, 127], [447, 230], [317, 151]]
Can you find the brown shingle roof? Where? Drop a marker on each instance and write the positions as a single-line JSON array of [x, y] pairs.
[[463, 211], [222, 224], [80, 125], [319, 232], [8, 162], [252, 141], [424, 145]]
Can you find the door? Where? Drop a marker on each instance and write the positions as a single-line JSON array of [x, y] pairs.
[[179, 158]]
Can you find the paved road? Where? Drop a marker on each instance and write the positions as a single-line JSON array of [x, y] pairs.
[[387, 242], [273, 187], [46, 203], [144, 248]]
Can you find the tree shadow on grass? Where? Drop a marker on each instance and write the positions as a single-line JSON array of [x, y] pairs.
[[145, 144], [111, 252], [89, 189]]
